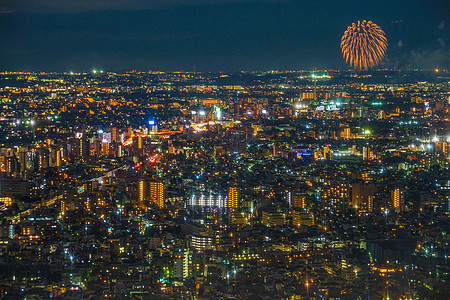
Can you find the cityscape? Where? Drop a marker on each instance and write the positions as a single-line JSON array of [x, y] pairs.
[[225, 149], [252, 185]]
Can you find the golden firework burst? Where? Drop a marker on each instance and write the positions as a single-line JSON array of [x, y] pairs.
[[363, 45]]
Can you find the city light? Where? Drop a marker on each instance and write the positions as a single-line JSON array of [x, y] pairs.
[[184, 185]]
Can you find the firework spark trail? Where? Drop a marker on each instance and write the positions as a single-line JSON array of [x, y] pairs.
[[363, 45]]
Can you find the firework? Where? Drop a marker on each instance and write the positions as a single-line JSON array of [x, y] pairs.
[[363, 45]]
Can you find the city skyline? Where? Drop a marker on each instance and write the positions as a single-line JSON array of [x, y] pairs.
[[224, 149], [163, 185]]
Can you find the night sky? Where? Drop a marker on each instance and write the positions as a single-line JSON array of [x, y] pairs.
[[169, 35]]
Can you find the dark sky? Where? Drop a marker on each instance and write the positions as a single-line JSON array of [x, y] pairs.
[[118, 35]]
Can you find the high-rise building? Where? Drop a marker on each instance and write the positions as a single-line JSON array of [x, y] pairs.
[[114, 134], [80, 147], [143, 187], [84, 148], [299, 200], [13, 186], [398, 199], [346, 133], [140, 141], [233, 197], [151, 191], [105, 147], [58, 158], [272, 218], [326, 153], [442, 147], [302, 219], [44, 159], [335, 193], [23, 158], [201, 242], [157, 193], [238, 218], [12, 165], [181, 264], [367, 153], [363, 195]]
